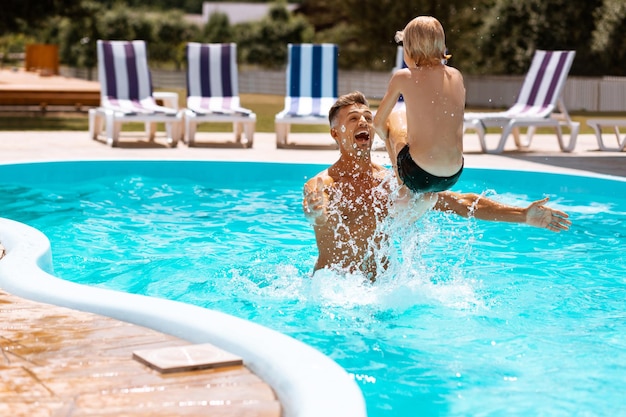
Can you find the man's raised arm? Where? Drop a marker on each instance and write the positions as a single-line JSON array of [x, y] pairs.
[[484, 208]]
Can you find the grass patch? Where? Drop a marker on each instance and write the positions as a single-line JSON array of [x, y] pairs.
[[264, 105], [43, 122]]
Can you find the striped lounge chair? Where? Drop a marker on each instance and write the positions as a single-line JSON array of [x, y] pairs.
[[213, 91], [126, 94], [399, 65], [311, 88], [535, 106], [614, 125]]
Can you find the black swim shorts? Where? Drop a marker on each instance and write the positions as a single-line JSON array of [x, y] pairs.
[[419, 180]]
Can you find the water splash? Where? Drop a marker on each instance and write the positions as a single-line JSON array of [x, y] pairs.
[[421, 263]]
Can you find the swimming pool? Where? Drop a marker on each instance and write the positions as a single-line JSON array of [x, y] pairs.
[[472, 318]]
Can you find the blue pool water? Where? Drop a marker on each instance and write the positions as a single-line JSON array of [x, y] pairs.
[[472, 318]]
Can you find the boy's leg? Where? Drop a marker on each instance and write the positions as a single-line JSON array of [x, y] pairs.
[[398, 136], [413, 205]]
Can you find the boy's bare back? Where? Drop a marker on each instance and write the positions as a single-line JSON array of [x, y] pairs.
[[434, 98], [425, 137]]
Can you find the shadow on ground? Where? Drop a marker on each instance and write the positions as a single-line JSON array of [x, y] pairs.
[[607, 165]]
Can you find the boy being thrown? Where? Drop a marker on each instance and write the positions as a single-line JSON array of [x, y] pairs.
[[425, 142]]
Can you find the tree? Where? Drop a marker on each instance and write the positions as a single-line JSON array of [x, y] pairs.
[[77, 37], [609, 43], [120, 23], [217, 29], [265, 42], [24, 16], [171, 34], [366, 41], [188, 6], [483, 36], [514, 30]]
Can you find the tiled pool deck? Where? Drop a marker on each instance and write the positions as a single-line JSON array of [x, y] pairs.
[[544, 153], [60, 362]]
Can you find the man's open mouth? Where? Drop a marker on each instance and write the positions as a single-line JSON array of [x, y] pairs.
[[362, 136]]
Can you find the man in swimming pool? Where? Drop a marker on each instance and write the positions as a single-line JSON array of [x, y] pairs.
[[346, 202]]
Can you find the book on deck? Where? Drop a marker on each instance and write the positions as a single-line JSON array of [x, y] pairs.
[[186, 358]]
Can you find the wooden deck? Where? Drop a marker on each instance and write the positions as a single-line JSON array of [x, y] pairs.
[[23, 88], [59, 362]]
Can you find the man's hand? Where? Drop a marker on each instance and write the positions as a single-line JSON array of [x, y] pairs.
[[315, 203], [545, 217]]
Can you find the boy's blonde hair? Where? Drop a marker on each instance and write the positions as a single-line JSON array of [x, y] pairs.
[[424, 41]]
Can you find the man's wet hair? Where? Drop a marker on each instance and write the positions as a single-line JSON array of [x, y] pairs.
[[356, 97]]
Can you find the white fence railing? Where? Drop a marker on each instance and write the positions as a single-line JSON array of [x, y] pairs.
[[607, 94]]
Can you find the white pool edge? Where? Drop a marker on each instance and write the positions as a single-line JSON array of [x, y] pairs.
[[307, 383]]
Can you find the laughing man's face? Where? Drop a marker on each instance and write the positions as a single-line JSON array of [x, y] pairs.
[[354, 128]]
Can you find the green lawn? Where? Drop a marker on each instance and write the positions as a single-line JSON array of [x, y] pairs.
[[265, 107]]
